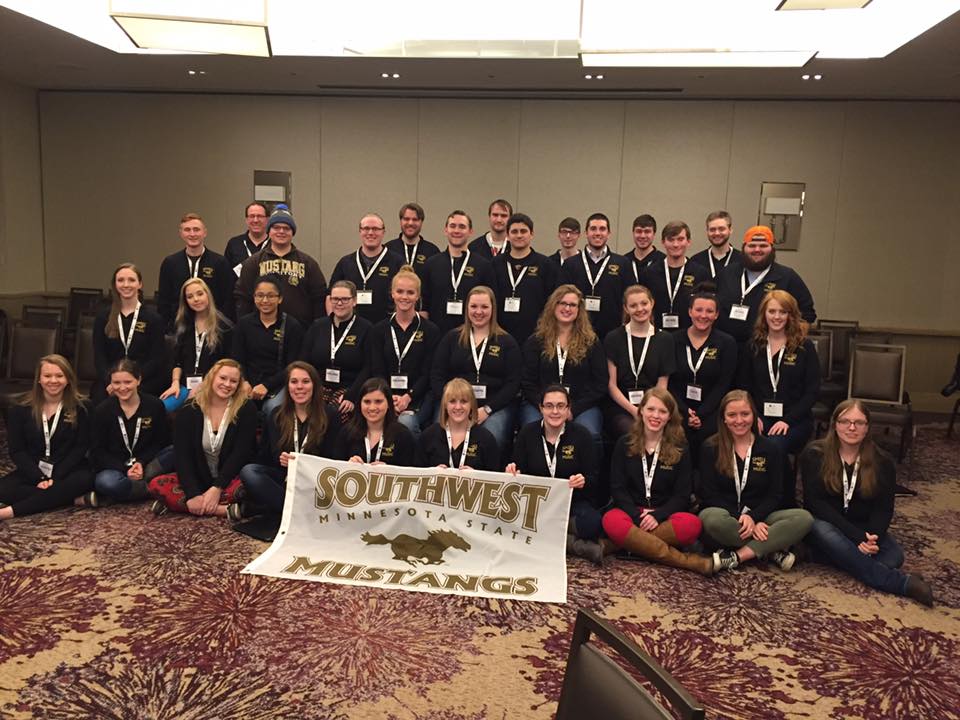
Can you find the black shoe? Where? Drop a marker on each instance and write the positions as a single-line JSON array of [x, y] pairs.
[[90, 499], [235, 512], [592, 551], [950, 388], [158, 508], [919, 589]]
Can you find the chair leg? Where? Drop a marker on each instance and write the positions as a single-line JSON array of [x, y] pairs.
[[906, 442], [953, 419]]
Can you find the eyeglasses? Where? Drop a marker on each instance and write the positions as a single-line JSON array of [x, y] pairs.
[[259, 297], [279, 227], [569, 232], [858, 424], [568, 305], [340, 300], [369, 229], [554, 406]]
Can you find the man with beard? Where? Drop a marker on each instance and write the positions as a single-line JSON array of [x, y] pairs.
[[644, 254], [740, 289], [410, 243], [494, 242], [720, 254]]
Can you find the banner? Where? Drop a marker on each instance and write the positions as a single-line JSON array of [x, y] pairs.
[[464, 532]]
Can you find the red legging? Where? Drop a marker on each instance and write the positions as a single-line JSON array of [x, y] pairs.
[[167, 488], [686, 526]]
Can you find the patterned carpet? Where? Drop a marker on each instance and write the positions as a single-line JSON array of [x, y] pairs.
[[118, 614]]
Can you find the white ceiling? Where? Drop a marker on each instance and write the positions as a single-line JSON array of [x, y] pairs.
[[37, 55]]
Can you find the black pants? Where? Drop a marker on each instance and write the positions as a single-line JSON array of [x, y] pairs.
[[26, 498]]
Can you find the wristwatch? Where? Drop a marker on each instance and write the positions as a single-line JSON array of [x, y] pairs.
[[488, 410]]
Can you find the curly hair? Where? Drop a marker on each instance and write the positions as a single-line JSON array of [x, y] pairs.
[[674, 440], [582, 337]]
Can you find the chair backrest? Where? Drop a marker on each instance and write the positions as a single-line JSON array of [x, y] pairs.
[[27, 346], [594, 685], [877, 372], [82, 300], [823, 342], [83, 361], [843, 332], [43, 316]]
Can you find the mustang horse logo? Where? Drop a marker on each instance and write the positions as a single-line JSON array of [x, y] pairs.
[[412, 549]]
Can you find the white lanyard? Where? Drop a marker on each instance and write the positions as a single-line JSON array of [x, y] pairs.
[[514, 283], [297, 445], [672, 293], [695, 368], [126, 438], [633, 264], [561, 360], [740, 481], [379, 446], [49, 430], [396, 344], [463, 453], [456, 278], [128, 340], [774, 376], [478, 355], [246, 246], [335, 346], [726, 261], [198, 339], [216, 440], [636, 368], [366, 276], [494, 248], [745, 289], [193, 266], [551, 460], [850, 483], [648, 473], [410, 257], [586, 268]]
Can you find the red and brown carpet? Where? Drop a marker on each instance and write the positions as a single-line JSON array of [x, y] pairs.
[[118, 614]]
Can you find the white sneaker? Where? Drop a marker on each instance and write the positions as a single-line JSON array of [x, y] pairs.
[[783, 559]]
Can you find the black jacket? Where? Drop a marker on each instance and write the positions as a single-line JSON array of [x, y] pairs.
[[610, 284], [148, 349], [213, 269], [780, 277], [669, 492], [655, 280], [399, 447], [270, 448], [109, 451], [353, 356], [185, 350], [539, 280], [499, 369], [69, 443], [587, 379], [237, 450], [482, 452], [416, 363], [577, 455], [378, 283], [715, 376], [797, 388], [265, 352], [763, 489], [438, 286]]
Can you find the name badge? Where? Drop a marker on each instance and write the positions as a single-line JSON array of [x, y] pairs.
[[332, 375], [694, 392], [593, 303], [193, 381], [635, 396], [454, 307], [46, 468], [773, 409], [739, 312], [398, 382], [364, 297], [670, 321], [511, 304], [236, 268], [479, 391]]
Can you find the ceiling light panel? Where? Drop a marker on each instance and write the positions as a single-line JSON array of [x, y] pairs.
[[822, 4], [697, 59]]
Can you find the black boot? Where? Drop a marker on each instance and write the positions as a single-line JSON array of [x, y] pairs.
[[951, 387], [919, 589]]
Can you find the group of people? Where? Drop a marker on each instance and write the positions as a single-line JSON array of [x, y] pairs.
[[489, 356]]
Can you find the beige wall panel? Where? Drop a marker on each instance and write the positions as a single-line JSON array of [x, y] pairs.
[[570, 163], [898, 193], [791, 142], [675, 163], [21, 206], [369, 164], [119, 170], [468, 158]]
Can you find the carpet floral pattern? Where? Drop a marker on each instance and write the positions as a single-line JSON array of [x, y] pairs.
[[117, 614]]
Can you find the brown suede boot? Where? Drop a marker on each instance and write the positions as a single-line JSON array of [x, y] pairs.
[[665, 532], [649, 546]]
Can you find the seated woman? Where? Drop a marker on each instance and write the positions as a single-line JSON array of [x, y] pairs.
[[553, 447], [128, 329], [480, 352], [740, 475], [204, 335], [303, 423], [337, 347], [638, 358], [564, 350], [401, 352], [264, 343], [131, 442], [782, 374], [214, 437], [456, 441], [706, 362], [650, 484], [374, 435], [48, 434], [848, 487]]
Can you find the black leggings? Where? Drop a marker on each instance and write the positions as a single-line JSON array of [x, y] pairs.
[[26, 498]]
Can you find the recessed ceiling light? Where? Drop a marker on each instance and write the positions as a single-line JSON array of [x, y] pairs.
[[817, 77], [588, 77], [804, 77], [384, 75], [396, 75], [599, 77], [191, 72]]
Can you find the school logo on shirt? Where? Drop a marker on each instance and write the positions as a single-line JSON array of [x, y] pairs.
[[383, 271], [292, 270], [146, 423], [711, 353], [665, 466], [767, 287], [759, 464], [350, 340], [418, 336], [420, 259], [613, 269], [469, 271], [534, 271], [566, 452], [278, 334], [387, 451], [494, 350], [790, 359], [472, 450], [140, 327], [688, 281], [207, 272]]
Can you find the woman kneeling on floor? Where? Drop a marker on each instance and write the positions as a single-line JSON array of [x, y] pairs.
[[650, 483], [741, 479], [215, 436]]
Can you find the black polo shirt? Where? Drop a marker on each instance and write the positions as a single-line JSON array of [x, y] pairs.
[[380, 304], [610, 279], [438, 286], [729, 294], [423, 336], [655, 280], [352, 360], [635, 271], [176, 269], [499, 368], [415, 257], [265, 352], [536, 278], [715, 376], [659, 360], [704, 258], [586, 380], [483, 453]]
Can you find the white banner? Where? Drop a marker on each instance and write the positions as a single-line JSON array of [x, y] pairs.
[[464, 532]]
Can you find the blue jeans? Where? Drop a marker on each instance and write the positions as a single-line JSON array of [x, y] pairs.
[[115, 485], [588, 519], [415, 421], [500, 425], [880, 571], [272, 403], [266, 486], [175, 402], [790, 444]]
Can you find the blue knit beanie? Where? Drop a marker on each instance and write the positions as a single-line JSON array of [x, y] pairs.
[[281, 215]]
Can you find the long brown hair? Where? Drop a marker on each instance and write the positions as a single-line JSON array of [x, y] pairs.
[[33, 398], [204, 393], [796, 329], [671, 447], [495, 329], [829, 446], [582, 336], [186, 315], [724, 438], [112, 328], [286, 414]]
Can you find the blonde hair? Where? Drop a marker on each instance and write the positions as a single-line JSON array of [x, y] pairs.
[[582, 337], [495, 329], [633, 290], [33, 398], [210, 315], [205, 392], [457, 389], [406, 273]]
